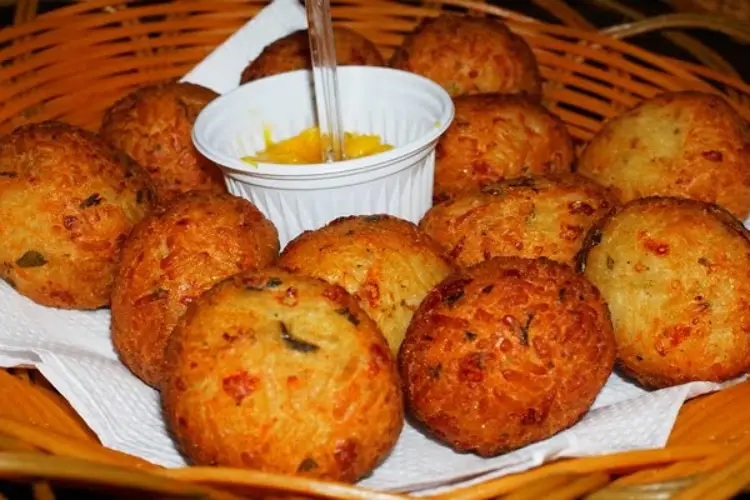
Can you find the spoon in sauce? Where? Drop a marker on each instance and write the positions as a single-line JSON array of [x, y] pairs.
[[323, 55]]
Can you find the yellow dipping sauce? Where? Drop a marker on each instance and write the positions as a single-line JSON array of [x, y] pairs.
[[306, 148]]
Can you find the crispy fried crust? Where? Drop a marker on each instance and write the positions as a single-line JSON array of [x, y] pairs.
[[505, 354], [524, 217], [293, 52], [684, 144], [495, 137], [67, 203], [675, 275], [153, 125], [385, 262], [171, 259], [470, 55], [282, 373]]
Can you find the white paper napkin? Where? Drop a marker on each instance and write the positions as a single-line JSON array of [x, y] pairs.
[[73, 350]]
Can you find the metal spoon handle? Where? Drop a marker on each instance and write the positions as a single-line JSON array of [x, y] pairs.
[[323, 53]]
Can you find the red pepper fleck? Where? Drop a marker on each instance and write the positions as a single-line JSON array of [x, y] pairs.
[[370, 292], [345, 454], [471, 368], [378, 359], [336, 294], [239, 386], [579, 207], [713, 155], [290, 297], [656, 247]]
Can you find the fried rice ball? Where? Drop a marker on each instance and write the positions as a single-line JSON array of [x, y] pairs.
[[67, 203], [525, 217], [675, 275], [495, 137], [282, 373], [293, 53], [470, 55], [171, 259], [505, 354], [385, 262], [153, 125], [682, 144]]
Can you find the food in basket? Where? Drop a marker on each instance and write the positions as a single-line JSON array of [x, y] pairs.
[[494, 137], [153, 125], [685, 144], [385, 262], [505, 354], [173, 257], [674, 273], [282, 373], [293, 53], [307, 147], [67, 203], [470, 55], [546, 216]]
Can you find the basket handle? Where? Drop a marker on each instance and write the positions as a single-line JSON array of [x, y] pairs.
[[714, 22]]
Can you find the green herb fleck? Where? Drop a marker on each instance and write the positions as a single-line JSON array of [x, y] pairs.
[[32, 258], [295, 343], [470, 336], [373, 218], [91, 201], [344, 311], [610, 263], [307, 464], [525, 329], [453, 296], [531, 215], [273, 282]]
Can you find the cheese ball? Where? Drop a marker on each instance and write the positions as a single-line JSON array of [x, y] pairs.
[[675, 275], [385, 262], [67, 203], [681, 144], [282, 373], [525, 217], [293, 53], [173, 257], [495, 137], [153, 125], [470, 55], [505, 354]]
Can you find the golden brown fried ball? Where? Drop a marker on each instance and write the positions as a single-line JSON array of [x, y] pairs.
[[67, 203], [675, 275], [470, 55], [153, 125], [385, 262], [495, 137], [683, 144], [282, 373], [293, 53], [505, 354], [524, 217], [173, 257]]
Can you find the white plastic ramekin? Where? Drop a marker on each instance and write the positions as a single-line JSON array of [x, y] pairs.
[[406, 110]]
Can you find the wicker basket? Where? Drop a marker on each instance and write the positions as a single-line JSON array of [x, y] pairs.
[[72, 63]]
